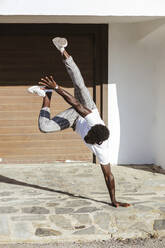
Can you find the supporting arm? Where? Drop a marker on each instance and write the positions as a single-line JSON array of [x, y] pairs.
[[110, 182]]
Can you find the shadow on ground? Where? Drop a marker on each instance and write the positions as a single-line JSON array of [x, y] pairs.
[[4, 179], [148, 167]]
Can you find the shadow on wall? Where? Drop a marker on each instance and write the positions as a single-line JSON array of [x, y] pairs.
[[130, 124], [134, 53]]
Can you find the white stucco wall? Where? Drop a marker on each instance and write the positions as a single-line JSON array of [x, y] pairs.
[[160, 114], [153, 36], [131, 96], [160, 110], [136, 92], [83, 7]]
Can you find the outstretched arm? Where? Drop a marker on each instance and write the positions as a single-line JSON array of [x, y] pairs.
[[110, 182], [50, 83]]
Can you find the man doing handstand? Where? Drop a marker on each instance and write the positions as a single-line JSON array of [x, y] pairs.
[[83, 116]]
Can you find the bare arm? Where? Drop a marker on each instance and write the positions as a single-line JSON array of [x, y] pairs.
[[81, 109], [110, 182], [49, 82]]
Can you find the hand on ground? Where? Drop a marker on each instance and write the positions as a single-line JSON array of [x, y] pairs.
[[120, 204]]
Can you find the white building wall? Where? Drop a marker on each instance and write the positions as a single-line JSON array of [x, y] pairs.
[[160, 114], [136, 92], [160, 110], [131, 91], [83, 7], [153, 38]]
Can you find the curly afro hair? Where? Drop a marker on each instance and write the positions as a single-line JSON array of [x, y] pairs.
[[97, 134]]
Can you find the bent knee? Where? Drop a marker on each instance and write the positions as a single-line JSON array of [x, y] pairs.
[[48, 127], [43, 126]]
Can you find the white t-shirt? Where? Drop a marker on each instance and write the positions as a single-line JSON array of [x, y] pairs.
[[83, 125]]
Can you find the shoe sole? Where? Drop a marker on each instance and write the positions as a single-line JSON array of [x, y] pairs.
[[31, 90], [39, 93], [60, 42]]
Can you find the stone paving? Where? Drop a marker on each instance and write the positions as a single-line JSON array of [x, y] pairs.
[[69, 202]]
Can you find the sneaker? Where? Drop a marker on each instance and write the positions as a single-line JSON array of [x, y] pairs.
[[37, 90], [60, 43]]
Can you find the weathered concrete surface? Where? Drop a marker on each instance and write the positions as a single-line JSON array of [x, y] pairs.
[[69, 202]]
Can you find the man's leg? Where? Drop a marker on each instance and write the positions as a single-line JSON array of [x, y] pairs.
[[61, 121], [81, 92]]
